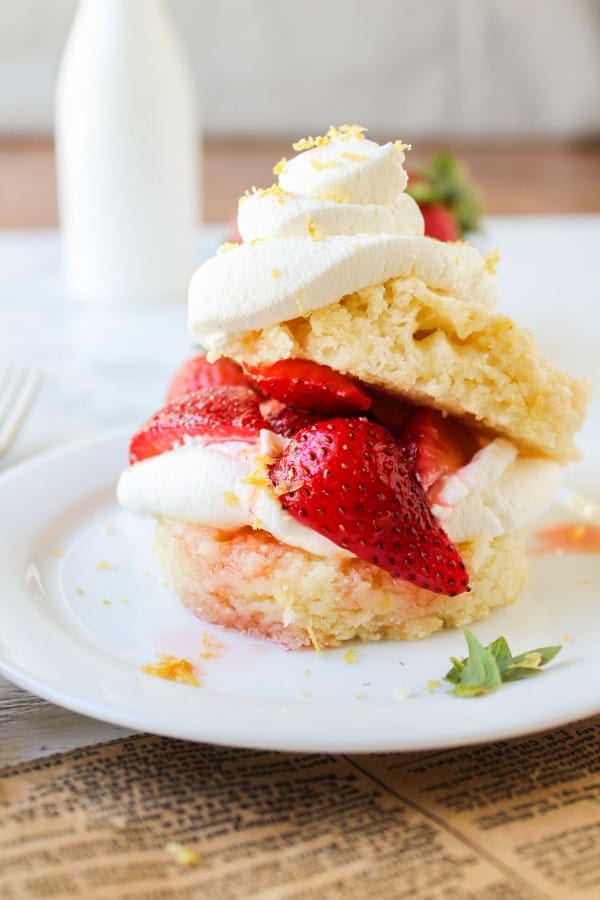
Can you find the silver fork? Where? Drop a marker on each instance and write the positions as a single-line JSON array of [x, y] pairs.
[[18, 384]]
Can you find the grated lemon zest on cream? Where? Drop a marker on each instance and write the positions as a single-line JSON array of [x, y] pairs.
[[354, 157], [231, 499], [228, 245], [344, 133], [275, 273], [279, 167], [334, 195], [319, 166], [400, 145], [491, 261], [315, 234], [173, 668]]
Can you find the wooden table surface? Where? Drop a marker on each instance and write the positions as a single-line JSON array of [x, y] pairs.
[[513, 176]]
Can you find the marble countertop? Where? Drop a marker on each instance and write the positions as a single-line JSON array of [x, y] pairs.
[[104, 365]]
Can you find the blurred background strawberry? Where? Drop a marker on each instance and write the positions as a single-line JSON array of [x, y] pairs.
[[448, 200]]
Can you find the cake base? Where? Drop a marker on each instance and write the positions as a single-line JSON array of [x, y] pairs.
[[251, 583]]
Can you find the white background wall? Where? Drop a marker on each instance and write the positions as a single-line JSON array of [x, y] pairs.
[[410, 67]]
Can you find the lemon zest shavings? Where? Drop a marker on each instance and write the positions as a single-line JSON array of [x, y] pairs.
[[80, 592], [105, 601], [279, 167], [400, 145], [256, 524], [344, 133], [433, 684], [184, 856], [491, 261], [275, 273], [227, 246], [319, 166], [231, 499], [315, 234], [104, 566], [172, 668], [354, 157], [335, 195], [313, 637], [274, 191], [350, 656]]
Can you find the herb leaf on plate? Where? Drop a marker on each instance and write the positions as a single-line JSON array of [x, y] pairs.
[[486, 668]]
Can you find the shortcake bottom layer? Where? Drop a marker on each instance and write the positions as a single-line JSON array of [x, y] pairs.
[[250, 582]]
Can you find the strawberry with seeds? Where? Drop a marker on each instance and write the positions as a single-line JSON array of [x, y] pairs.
[[224, 413], [310, 386], [436, 445], [197, 373], [348, 480]]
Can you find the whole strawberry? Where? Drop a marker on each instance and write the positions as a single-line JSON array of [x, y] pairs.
[[348, 480], [446, 197], [440, 222], [197, 373], [223, 413]]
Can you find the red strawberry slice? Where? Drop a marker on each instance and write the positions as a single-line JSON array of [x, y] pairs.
[[436, 445], [283, 419], [310, 386], [348, 480], [197, 373], [440, 222], [225, 413]]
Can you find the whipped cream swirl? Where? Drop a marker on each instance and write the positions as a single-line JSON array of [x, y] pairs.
[[337, 221]]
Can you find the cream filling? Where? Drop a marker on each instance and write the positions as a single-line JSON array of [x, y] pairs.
[[226, 486]]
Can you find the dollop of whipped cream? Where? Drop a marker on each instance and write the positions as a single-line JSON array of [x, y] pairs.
[[224, 486], [338, 220]]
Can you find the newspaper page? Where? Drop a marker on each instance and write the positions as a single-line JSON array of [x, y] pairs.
[[149, 817]]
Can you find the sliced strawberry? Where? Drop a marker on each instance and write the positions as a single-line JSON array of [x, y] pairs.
[[225, 413], [283, 419], [310, 386], [348, 480], [440, 222], [389, 410], [197, 373], [436, 445]]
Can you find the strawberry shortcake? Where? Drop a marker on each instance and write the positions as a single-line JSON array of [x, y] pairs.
[[368, 440]]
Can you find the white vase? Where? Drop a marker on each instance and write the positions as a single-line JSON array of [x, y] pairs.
[[127, 148]]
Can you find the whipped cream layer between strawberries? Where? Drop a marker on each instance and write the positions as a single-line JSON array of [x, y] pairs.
[[225, 486], [337, 221]]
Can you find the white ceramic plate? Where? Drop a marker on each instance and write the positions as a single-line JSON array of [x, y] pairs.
[[83, 608]]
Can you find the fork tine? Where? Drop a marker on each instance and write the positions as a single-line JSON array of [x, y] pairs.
[[18, 385]]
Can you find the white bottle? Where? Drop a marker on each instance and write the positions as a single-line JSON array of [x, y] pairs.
[[127, 153]]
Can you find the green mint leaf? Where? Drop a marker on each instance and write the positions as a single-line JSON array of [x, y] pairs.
[[486, 668], [480, 674], [500, 651], [456, 671], [525, 665]]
